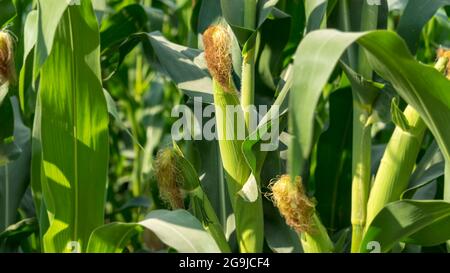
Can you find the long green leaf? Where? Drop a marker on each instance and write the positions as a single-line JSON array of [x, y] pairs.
[[111, 238], [50, 13], [14, 175], [333, 171], [420, 222], [177, 229], [26, 92], [186, 67], [421, 86], [74, 131], [9, 150]]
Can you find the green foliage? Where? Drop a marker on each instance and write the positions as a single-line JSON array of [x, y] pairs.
[[97, 84]]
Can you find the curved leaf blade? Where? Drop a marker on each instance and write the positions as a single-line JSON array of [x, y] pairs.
[[111, 238], [410, 219], [74, 132], [180, 230], [415, 16], [419, 85]]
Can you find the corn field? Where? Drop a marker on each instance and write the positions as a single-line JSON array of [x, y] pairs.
[[224, 126]]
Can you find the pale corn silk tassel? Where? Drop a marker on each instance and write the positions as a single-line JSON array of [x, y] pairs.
[[7, 69], [169, 178], [299, 212], [216, 41], [293, 203], [446, 54]]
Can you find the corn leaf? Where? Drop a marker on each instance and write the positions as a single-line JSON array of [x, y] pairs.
[[234, 11], [213, 180], [428, 169], [333, 172], [177, 229], [115, 32], [186, 67], [73, 130], [13, 236], [424, 223], [26, 92], [116, 28], [111, 238], [8, 12], [9, 150], [14, 175], [50, 13], [421, 86], [316, 11], [208, 14], [416, 14]]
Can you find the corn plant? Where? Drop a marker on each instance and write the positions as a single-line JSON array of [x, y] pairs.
[[231, 126]]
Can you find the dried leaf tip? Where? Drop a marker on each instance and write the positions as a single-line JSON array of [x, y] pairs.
[[169, 178], [293, 203], [7, 67], [216, 40]]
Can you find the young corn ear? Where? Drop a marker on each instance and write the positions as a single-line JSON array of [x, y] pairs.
[[218, 55], [299, 212], [248, 215], [7, 67], [399, 158], [295, 206], [198, 200], [169, 178]]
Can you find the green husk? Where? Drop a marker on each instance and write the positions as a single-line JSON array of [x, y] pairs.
[[397, 163], [249, 215], [362, 142], [231, 131], [318, 241], [399, 159], [176, 178]]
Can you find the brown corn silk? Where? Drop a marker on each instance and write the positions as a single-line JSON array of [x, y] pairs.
[[216, 40], [7, 71], [169, 178]]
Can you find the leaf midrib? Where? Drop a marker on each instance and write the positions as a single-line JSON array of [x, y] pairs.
[[74, 123]]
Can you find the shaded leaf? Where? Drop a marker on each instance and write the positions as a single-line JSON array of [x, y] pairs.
[[415, 16], [8, 12], [423, 222], [186, 67], [14, 175]]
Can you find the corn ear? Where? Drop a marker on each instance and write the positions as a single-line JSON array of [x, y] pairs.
[[200, 203], [177, 178], [317, 241], [248, 215], [169, 178], [299, 212], [7, 67], [399, 158], [397, 163]]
